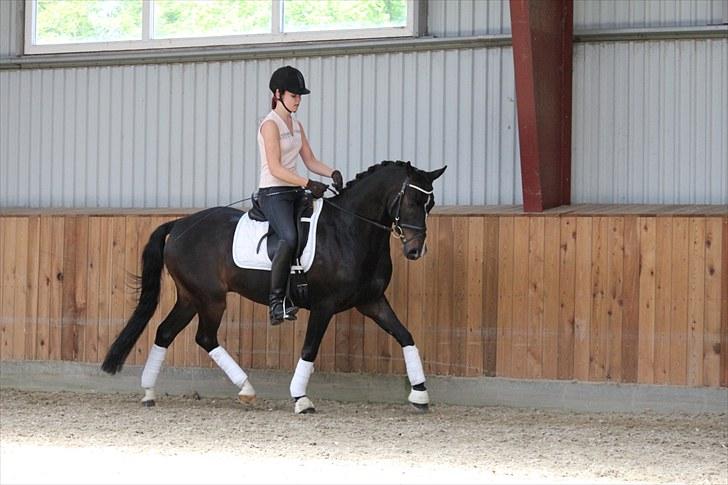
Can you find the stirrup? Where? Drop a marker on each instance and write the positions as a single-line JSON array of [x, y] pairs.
[[286, 312]]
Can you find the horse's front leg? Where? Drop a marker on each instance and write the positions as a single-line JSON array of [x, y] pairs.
[[381, 312], [318, 321]]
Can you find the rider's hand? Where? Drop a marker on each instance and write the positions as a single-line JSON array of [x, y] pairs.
[[316, 188], [337, 180]]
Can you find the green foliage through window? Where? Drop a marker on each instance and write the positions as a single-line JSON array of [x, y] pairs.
[[71, 21]]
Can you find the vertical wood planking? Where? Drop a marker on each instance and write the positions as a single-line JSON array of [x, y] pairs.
[[663, 294], [143, 230], [104, 299], [69, 307], [582, 297], [7, 324], [459, 301], [647, 300], [724, 304], [519, 342], [599, 311], [399, 290], [246, 333], [430, 327], [58, 278], [551, 297], [567, 288], [696, 301], [32, 288], [260, 324], [91, 322], [679, 317], [131, 270], [474, 346], [615, 298], [490, 295], [356, 341], [713, 349], [630, 298], [505, 296], [416, 303], [117, 318], [342, 359], [45, 280], [21, 288], [443, 325], [535, 315]]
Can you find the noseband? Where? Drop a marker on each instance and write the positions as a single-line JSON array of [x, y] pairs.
[[396, 228]]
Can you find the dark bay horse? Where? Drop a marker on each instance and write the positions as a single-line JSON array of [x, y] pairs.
[[352, 268]]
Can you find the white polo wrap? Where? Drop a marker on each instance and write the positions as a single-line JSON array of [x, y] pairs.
[[153, 366], [414, 365], [299, 383], [229, 366]]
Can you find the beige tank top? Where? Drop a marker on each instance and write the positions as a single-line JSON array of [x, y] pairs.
[[290, 149]]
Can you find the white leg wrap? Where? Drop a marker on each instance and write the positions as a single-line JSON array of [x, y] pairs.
[[304, 369], [414, 365], [153, 366], [227, 364]]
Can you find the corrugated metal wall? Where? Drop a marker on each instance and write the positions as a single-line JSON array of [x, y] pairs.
[[184, 135], [651, 122], [648, 117], [11, 27]]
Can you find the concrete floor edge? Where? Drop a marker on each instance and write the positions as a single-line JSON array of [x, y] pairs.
[[468, 391]]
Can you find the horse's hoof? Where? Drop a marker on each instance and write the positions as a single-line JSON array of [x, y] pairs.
[[304, 406], [247, 393], [149, 403], [422, 408], [246, 399]]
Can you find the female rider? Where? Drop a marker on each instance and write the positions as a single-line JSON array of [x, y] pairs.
[[281, 140]]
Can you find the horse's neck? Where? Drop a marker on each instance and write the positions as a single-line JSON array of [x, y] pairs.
[[368, 199]]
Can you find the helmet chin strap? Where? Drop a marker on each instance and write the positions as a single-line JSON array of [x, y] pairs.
[[284, 105]]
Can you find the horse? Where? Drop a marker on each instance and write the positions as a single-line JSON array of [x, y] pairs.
[[352, 269]]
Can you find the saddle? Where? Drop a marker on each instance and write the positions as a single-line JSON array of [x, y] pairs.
[[297, 283], [303, 217]]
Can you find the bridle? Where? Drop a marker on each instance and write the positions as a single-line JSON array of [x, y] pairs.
[[397, 228]]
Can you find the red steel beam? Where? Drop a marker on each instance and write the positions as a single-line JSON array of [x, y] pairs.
[[542, 52]]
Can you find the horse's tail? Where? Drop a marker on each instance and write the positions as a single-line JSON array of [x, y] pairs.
[[152, 264]]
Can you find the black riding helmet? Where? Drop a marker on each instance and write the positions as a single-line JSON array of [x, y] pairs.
[[289, 79]]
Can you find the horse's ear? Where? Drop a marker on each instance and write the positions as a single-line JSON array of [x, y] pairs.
[[435, 173]]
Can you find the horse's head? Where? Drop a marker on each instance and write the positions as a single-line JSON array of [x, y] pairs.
[[409, 209]]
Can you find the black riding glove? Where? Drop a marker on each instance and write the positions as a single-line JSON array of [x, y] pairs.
[[316, 188], [337, 180]]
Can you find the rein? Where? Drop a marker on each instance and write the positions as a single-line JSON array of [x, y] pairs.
[[396, 228]]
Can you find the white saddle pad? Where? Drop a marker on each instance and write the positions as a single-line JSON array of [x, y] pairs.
[[248, 234]]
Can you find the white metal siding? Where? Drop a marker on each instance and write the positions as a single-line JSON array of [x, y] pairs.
[[448, 18], [650, 122], [184, 135], [610, 14], [11, 26]]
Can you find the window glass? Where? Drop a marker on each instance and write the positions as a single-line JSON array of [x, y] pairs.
[[69, 21], [307, 15], [201, 18]]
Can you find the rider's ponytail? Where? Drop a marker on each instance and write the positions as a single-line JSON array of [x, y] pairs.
[[273, 102]]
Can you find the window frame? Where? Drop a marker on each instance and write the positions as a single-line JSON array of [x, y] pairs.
[[411, 29]]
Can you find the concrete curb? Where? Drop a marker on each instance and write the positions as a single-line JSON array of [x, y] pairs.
[[468, 391]]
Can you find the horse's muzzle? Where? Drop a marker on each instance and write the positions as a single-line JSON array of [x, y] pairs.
[[415, 251]]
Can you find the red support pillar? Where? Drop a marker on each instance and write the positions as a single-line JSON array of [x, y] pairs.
[[542, 54]]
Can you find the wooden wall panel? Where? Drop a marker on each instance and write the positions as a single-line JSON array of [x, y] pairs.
[[624, 298]]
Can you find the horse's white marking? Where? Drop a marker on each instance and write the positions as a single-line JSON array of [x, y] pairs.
[[414, 365], [303, 404], [227, 364], [299, 383], [153, 366]]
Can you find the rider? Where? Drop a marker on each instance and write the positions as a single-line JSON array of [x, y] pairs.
[[281, 140]]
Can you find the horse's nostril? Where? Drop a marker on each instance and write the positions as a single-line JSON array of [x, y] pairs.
[[413, 253]]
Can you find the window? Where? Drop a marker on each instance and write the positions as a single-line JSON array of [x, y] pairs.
[[93, 25]]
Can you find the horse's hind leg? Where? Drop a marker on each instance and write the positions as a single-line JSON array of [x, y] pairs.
[[178, 318], [210, 316]]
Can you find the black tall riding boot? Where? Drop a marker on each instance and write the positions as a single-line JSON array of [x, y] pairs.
[[281, 309]]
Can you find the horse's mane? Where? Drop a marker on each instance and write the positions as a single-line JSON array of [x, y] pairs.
[[376, 167]]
